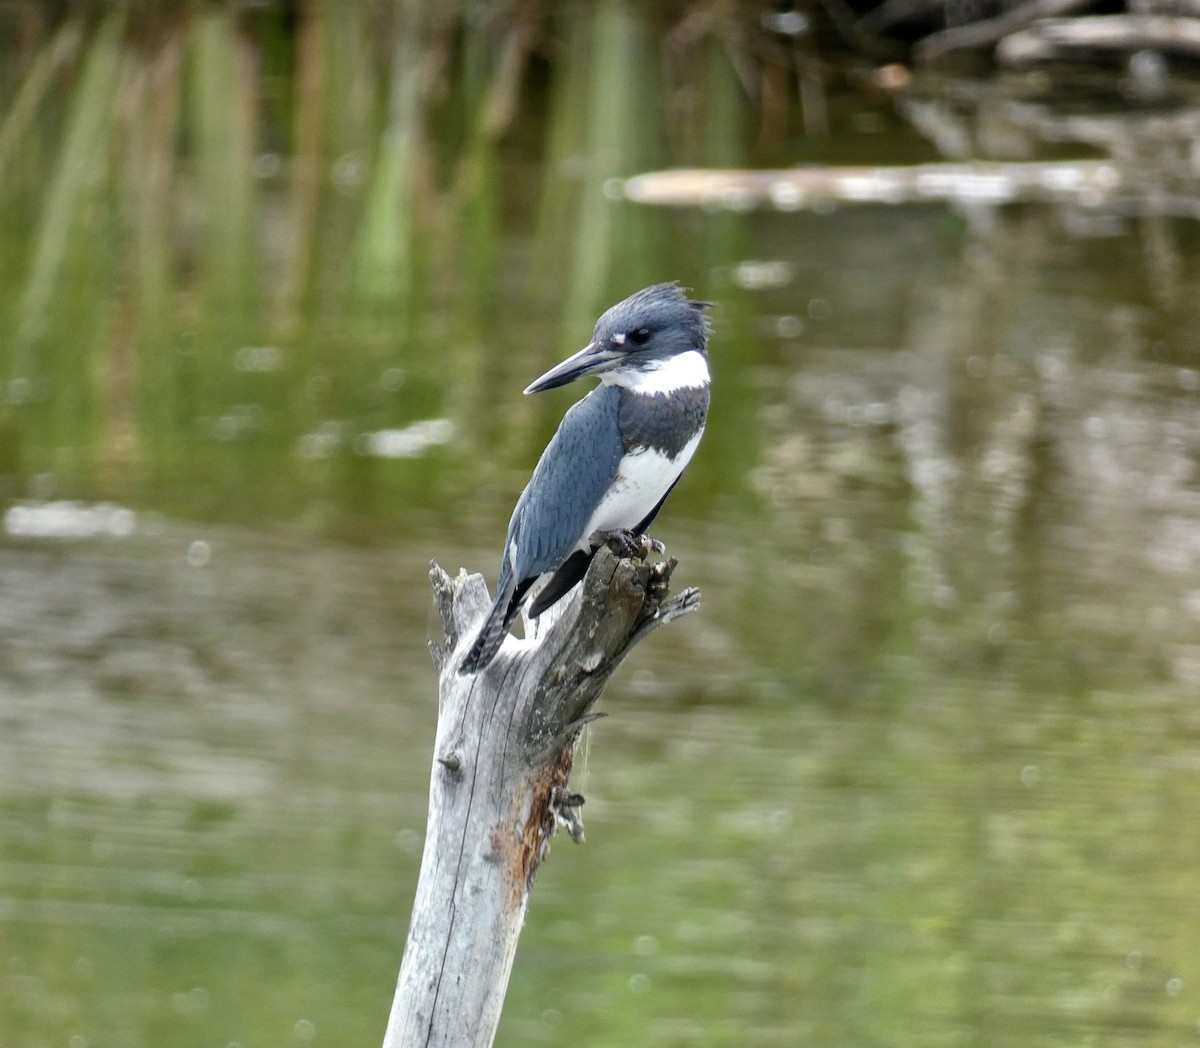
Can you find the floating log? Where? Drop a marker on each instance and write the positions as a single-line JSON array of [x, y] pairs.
[[818, 188]]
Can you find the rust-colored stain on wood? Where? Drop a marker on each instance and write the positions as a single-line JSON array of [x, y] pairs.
[[522, 855]]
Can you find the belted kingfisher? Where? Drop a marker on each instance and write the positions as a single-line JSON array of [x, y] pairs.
[[616, 456]]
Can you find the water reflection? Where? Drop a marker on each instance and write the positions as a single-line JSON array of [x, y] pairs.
[[921, 772], [1043, 460]]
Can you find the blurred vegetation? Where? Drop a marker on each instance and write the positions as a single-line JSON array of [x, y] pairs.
[[248, 251], [273, 230]]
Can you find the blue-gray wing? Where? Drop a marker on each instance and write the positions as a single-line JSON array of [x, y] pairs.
[[572, 476]]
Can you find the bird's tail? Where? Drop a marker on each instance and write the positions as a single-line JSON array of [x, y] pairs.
[[491, 636]]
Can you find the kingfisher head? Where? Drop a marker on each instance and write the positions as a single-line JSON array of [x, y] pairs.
[[640, 335]]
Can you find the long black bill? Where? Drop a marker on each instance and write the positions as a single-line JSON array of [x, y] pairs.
[[591, 360]]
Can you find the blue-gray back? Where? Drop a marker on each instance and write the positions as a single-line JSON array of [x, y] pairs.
[[570, 479]]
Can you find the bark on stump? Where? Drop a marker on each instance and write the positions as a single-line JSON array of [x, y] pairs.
[[499, 788]]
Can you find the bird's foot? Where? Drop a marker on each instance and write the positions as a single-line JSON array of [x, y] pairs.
[[627, 545], [621, 543]]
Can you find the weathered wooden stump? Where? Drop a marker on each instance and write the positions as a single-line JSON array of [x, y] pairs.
[[499, 788]]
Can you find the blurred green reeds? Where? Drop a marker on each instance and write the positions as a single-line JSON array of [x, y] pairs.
[[238, 241]]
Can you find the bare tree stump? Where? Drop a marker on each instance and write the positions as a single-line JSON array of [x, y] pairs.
[[499, 789]]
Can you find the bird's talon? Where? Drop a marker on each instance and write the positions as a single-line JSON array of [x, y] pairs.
[[623, 544]]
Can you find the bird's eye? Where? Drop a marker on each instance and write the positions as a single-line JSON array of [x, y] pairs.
[[641, 336]]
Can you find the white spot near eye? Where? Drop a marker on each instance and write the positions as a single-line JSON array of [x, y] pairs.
[[618, 340]]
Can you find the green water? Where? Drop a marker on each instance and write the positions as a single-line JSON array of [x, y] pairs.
[[925, 768]]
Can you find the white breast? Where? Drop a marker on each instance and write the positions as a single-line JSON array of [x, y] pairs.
[[643, 477]]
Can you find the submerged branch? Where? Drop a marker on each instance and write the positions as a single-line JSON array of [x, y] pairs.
[[1055, 38], [988, 31]]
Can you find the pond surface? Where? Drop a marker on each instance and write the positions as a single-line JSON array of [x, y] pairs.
[[924, 770]]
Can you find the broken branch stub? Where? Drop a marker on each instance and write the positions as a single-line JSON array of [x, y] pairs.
[[499, 786]]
